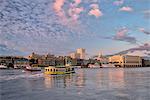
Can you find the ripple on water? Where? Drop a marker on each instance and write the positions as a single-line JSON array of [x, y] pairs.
[[22, 76]]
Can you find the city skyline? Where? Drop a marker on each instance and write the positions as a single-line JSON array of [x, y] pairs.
[[62, 26]]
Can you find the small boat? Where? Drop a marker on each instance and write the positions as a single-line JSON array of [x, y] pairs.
[[3, 67], [96, 65], [29, 68], [59, 70], [108, 65]]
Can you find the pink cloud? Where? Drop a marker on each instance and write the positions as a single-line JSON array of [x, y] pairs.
[[58, 4], [74, 13], [144, 31], [77, 2], [122, 35], [58, 8], [95, 11], [126, 9]]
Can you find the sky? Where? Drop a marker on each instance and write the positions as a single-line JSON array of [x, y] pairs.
[[61, 26]]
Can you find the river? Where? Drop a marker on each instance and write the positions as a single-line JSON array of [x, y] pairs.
[[85, 84]]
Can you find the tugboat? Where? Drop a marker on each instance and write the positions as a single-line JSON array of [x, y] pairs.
[[59, 70]]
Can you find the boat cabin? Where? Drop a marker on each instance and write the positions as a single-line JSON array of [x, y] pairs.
[[59, 70]]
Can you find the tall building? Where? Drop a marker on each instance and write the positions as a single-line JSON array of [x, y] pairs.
[[81, 53], [126, 60], [74, 55]]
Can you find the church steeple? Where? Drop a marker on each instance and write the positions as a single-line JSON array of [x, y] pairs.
[[100, 54]]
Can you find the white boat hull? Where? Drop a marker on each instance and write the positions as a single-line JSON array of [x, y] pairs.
[[108, 65], [3, 67]]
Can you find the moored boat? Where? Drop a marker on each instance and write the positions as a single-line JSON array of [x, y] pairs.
[[108, 65], [59, 70], [29, 68], [3, 67], [96, 65]]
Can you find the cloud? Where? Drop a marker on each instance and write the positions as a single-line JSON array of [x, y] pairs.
[[58, 4], [126, 9], [58, 8], [146, 14], [5, 50], [68, 11], [35, 26], [74, 10], [95, 11], [145, 46], [142, 50], [74, 13], [118, 2], [144, 31], [122, 35], [77, 2], [41, 26]]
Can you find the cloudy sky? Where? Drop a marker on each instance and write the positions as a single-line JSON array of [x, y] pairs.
[[61, 26]]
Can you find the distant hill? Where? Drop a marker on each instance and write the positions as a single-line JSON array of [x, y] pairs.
[[143, 51]]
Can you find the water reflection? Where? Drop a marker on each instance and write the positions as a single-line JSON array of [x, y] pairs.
[[80, 78], [65, 81], [58, 81], [48, 81], [85, 84], [100, 78], [116, 78]]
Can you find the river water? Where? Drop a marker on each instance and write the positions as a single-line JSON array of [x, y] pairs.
[[85, 84]]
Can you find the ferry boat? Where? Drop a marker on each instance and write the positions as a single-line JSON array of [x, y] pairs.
[[59, 70]]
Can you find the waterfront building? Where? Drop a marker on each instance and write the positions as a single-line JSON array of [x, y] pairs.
[[6, 60], [20, 62], [126, 60], [146, 62], [42, 60], [14, 61], [71, 61], [102, 59], [81, 53], [35, 56], [47, 60], [60, 60], [74, 62], [75, 55]]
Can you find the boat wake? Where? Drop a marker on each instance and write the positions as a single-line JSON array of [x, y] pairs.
[[22, 76]]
